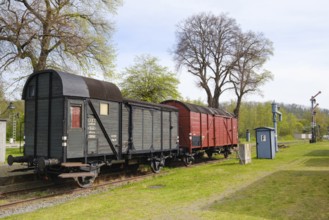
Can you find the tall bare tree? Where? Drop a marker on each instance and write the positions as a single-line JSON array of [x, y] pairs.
[[248, 74], [206, 48], [65, 34]]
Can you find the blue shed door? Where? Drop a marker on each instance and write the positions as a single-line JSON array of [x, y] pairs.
[[264, 144], [75, 129]]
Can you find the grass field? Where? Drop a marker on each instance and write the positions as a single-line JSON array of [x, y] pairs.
[[294, 185]]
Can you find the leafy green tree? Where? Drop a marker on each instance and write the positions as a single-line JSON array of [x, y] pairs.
[[148, 81], [322, 121], [194, 101], [296, 119]]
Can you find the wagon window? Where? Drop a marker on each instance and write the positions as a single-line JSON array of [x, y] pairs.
[[104, 109], [75, 116]]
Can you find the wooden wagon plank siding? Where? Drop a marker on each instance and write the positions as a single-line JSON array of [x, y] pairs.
[[43, 86], [148, 129], [125, 129], [137, 129], [166, 130], [174, 130], [157, 130], [204, 128], [111, 124], [29, 127], [57, 128], [42, 128]]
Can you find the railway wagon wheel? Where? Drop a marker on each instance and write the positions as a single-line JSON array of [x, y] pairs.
[[157, 164], [85, 181]]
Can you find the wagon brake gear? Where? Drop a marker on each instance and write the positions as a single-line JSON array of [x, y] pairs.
[[209, 153], [188, 160], [227, 152], [157, 164]]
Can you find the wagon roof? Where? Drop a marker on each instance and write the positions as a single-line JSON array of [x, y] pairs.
[[201, 109], [264, 128], [149, 105], [79, 86]]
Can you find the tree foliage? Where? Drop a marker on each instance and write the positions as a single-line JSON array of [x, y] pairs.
[[65, 34], [222, 57], [148, 81], [296, 119]]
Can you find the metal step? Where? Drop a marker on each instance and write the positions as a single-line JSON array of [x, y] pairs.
[[74, 164], [74, 175]]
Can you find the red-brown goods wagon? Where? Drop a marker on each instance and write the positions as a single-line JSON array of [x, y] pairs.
[[204, 129]]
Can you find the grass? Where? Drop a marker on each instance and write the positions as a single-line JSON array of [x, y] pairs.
[[14, 152], [294, 185]]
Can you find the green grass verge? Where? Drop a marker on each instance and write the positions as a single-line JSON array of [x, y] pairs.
[[294, 185]]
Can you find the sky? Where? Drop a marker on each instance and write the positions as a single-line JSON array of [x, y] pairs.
[[299, 31]]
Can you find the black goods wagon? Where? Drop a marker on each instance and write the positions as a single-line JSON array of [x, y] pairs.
[[74, 125]]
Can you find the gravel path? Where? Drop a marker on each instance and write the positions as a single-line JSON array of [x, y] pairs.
[[33, 206]]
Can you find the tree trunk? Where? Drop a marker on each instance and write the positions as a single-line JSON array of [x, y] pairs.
[[237, 107], [215, 101]]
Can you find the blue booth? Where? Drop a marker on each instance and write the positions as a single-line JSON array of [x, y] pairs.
[[265, 142]]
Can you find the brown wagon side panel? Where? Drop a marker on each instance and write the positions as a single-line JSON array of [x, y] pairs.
[[210, 130], [195, 121], [204, 128]]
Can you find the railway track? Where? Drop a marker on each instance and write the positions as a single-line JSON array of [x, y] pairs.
[[34, 200], [24, 200]]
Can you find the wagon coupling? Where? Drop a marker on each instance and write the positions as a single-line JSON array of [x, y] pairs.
[[22, 159], [42, 163]]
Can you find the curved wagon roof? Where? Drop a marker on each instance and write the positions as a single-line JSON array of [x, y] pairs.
[[78, 86], [200, 109]]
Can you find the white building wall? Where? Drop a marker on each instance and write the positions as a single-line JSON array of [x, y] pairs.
[[2, 140]]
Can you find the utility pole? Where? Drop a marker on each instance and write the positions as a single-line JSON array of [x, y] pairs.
[[313, 123], [275, 112]]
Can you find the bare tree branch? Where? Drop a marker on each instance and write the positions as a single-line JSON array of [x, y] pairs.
[[247, 75], [205, 48], [57, 34]]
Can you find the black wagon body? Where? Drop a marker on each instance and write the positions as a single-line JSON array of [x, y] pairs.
[[74, 125]]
